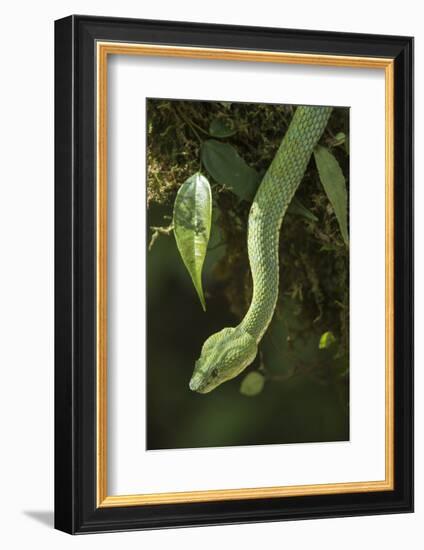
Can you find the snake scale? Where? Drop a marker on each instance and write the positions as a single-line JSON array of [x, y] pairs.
[[227, 353]]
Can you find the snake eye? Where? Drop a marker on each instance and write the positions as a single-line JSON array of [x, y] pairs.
[[214, 373]]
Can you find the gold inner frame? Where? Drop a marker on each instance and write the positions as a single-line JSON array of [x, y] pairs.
[[104, 49]]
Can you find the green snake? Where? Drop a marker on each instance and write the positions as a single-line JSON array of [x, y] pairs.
[[227, 353]]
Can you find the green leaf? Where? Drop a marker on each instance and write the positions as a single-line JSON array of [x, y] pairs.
[[326, 340], [252, 384], [192, 226], [222, 128], [226, 167], [296, 208], [346, 145], [339, 139], [334, 184]]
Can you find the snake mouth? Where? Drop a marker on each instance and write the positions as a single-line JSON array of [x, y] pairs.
[[198, 385]]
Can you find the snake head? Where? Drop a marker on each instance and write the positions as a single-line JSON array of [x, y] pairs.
[[224, 355]]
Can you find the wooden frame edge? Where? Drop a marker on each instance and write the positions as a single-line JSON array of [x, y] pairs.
[[103, 49]]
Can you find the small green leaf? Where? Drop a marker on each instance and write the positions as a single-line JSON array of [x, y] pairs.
[[339, 139], [226, 167], [296, 208], [252, 384], [222, 128], [328, 247], [334, 184], [192, 226], [326, 340]]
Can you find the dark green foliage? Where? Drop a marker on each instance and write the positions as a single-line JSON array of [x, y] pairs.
[[222, 127], [227, 168], [334, 184]]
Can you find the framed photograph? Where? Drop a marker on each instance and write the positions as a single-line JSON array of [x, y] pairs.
[[233, 274]]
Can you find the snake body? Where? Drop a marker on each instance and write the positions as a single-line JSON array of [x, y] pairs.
[[227, 353]]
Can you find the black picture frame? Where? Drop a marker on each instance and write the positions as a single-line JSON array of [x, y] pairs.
[[76, 510]]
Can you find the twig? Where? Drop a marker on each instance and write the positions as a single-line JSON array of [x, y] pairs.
[[192, 125], [159, 231]]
